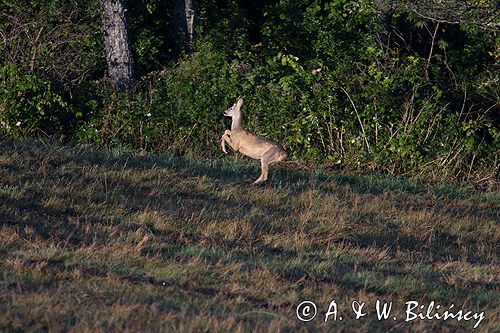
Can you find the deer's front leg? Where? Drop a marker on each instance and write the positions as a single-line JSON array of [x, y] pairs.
[[225, 138]]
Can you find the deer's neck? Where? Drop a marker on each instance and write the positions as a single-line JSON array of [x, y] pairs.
[[236, 123]]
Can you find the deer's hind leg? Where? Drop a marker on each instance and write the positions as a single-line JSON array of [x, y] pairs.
[[268, 159], [264, 163]]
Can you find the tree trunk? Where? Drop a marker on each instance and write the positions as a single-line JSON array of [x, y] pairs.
[[184, 22], [116, 38], [385, 9]]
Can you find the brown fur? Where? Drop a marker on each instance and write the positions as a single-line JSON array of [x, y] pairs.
[[268, 152]]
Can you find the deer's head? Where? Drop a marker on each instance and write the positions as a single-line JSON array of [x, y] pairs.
[[235, 109]]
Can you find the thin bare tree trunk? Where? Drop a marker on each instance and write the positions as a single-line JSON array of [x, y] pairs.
[[385, 8], [184, 22], [116, 38]]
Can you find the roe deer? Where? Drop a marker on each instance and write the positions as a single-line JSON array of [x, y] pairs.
[[268, 152]]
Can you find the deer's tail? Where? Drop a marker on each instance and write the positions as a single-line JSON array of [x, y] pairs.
[[282, 156]]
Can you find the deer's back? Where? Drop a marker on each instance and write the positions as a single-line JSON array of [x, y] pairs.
[[253, 146]]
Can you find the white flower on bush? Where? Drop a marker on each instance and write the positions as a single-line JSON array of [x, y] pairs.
[[18, 123], [148, 114]]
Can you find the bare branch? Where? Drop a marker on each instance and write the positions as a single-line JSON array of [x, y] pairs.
[[483, 14], [359, 119]]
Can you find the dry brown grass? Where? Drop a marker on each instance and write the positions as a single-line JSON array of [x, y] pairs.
[[96, 241]]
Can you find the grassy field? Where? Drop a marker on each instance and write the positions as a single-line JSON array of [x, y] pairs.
[[103, 241]]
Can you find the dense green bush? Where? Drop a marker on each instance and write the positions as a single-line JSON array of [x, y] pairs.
[[315, 76], [29, 104], [58, 40], [177, 109]]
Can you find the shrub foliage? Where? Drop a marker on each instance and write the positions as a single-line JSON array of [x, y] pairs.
[[349, 83]]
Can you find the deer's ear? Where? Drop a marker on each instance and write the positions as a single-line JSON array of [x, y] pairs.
[[238, 98]]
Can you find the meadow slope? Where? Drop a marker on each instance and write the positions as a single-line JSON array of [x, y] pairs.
[[104, 241]]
